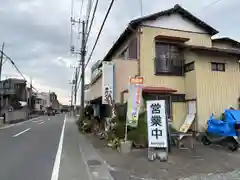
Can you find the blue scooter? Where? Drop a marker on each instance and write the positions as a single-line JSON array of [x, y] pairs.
[[224, 132]]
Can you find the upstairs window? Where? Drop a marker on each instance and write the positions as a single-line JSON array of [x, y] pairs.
[[124, 54], [132, 52], [189, 67], [218, 66], [169, 59]]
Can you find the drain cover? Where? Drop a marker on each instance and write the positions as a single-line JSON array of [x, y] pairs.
[[93, 163]]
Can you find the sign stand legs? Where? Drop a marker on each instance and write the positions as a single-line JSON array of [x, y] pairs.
[[157, 153], [125, 138]]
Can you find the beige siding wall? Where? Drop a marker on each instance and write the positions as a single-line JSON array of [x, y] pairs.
[[179, 112], [196, 39], [95, 89], [185, 85], [190, 77], [216, 91], [147, 55], [124, 69], [190, 85]]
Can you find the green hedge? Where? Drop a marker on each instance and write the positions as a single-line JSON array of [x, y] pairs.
[[138, 135]]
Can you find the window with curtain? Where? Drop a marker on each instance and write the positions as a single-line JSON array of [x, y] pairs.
[[169, 59]]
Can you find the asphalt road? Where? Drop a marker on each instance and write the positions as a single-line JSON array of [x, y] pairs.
[[32, 150]]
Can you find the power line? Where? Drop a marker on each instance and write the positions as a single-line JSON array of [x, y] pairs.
[[141, 7], [99, 33], [71, 30], [88, 34], [91, 23], [89, 8], [98, 36], [81, 10], [80, 17], [12, 62], [72, 8], [212, 3], [21, 73], [207, 6]]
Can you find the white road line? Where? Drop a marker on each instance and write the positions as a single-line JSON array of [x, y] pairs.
[[36, 121], [7, 126], [18, 134], [55, 172], [17, 124], [41, 122]]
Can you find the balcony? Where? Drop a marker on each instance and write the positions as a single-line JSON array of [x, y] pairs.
[[124, 68], [96, 89], [7, 91]]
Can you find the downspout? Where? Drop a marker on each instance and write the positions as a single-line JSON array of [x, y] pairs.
[[138, 33]]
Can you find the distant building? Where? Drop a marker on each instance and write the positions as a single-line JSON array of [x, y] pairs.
[[42, 101], [54, 101], [13, 92]]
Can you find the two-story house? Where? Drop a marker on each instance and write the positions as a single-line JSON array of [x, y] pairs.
[[180, 62], [42, 101], [13, 91]]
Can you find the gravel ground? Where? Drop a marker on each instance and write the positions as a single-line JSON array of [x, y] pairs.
[[203, 164], [234, 175]]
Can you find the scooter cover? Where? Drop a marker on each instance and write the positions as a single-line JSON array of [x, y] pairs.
[[224, 127]]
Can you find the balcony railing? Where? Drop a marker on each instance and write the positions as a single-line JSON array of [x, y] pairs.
[[7, 91]]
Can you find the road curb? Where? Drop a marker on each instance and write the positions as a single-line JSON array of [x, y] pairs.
[[98, 168]]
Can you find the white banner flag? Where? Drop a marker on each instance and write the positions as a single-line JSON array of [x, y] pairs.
[[157, 124], [107, 82]]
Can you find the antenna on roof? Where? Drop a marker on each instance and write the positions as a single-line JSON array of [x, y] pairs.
[[141, 7]]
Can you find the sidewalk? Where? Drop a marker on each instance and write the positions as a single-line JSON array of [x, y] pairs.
[[206, 163], [79, 159]]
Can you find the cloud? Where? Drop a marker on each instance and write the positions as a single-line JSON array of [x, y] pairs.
[[37, 33]]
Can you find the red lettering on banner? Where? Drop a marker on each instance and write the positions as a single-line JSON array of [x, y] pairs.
[[136, 80]]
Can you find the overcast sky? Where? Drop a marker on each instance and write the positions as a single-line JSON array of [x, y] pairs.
[[37, 33]]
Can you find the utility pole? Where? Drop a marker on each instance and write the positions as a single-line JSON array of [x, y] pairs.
[[1, 63], [82, 60], [75, 89], [30, 94], [72, 97], [141, 7], [72, 93], [83, 53]]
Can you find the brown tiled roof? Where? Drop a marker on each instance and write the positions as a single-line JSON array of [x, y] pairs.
[[183, 12], [154, 89], [227, 39], [215, 49], [136, 22]]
